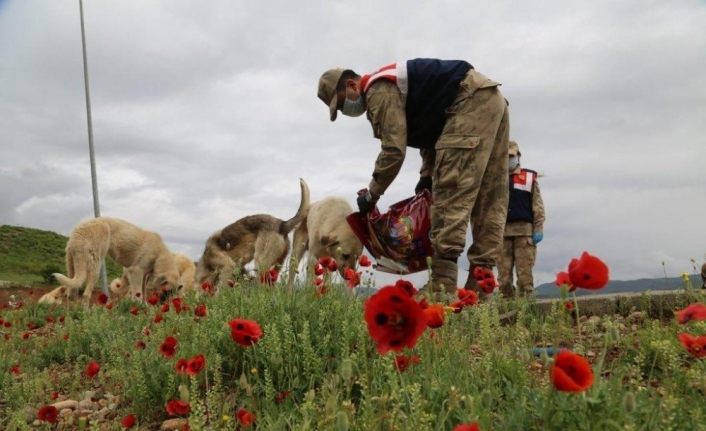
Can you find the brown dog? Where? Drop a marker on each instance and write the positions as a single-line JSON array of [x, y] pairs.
[[130, 281], [325, 232], [129, 246], [260, 237]]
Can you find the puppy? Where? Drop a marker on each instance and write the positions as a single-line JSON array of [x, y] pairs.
[[325, 232], [260, 237], [128, 245], [132, 278]]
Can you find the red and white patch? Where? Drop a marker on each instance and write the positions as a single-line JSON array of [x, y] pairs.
[[523, 181]]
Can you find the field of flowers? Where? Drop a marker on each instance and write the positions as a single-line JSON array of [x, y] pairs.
[[319, 357]]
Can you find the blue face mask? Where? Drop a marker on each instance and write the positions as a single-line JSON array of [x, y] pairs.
[[353, 108], [513, 163]]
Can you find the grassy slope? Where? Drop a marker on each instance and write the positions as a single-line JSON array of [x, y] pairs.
[[26, 252], [318, 348]]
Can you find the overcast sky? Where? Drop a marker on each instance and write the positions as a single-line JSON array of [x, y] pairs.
[[204, 112]]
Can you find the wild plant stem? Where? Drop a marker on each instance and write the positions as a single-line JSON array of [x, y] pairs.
[[578, 316]]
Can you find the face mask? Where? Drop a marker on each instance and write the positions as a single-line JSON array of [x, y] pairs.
[[513, 163], [353, 108]]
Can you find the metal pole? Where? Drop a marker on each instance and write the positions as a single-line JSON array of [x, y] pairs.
[[91, 152]]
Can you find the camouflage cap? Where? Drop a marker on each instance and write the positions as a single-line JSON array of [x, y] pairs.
[[327, 89], [514, 149]]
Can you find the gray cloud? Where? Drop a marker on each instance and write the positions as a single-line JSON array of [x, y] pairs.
[[206, 112]]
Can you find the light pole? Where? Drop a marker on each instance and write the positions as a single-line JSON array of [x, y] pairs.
[[91, 152]]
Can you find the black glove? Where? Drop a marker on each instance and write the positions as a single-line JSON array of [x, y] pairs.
[[424, 183], [366, 201]]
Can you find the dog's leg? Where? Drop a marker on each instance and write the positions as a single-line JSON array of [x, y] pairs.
[[270, 249], [299, 247], [92, 271]]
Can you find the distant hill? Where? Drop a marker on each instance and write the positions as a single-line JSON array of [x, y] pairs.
[[30, 255], [550, 290]]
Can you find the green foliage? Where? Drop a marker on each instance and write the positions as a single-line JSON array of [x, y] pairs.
[[315, 367], [31, 255]]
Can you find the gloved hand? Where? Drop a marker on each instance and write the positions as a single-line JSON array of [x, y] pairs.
[[537, 237], [424, 183], [366, 201]]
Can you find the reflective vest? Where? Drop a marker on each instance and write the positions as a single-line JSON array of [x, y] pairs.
[[520, 206], [430, 86]]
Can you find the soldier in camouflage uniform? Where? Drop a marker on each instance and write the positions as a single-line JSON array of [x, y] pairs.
[[524, 228], [459, 121]]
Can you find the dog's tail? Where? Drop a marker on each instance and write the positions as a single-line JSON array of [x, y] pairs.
[[302, 212], [77, 270]]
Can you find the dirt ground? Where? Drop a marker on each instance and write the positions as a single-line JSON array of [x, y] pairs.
[[31, 294]]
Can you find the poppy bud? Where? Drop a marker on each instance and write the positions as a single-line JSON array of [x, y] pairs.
[[629, 402]]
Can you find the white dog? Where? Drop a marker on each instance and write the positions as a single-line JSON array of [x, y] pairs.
[[128, 245], [325, 232]]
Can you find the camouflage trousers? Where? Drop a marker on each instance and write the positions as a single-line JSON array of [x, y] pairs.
[[518, 253], [470, 179]]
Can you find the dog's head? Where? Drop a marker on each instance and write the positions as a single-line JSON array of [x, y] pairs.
[[344, 248], [56, 296]]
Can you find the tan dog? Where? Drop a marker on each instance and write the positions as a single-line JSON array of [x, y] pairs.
[[325, 232], [130, 281], [128, 245], [260, 237]]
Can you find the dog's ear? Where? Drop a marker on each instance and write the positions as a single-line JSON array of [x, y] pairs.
[[329, 241]]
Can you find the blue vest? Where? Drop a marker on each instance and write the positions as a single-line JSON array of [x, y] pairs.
[[433, 85], [520, 206]]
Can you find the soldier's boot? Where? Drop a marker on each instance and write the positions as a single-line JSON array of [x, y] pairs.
[[442, 284]]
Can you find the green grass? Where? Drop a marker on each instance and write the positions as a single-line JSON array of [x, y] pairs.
[[29, 255], [472, 368]]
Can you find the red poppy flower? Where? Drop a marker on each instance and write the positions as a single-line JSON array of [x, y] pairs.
[[332, 265], [134, 310], [153, 299], [364, 261], [54, 395], [402, 362], [407, 286], [16, 369], [181, 366], [269, 277], [692, 312], [696, 345], [318, 269], [434, 315], [168, 347], [178, 408], [208, 287], [165, 307], [178, 305], [200, 310], [50, 319], [569, 305], [26, 335], [473, 426], [562, 279], [588, 272], [352, 277], [195, 365], [485, 279], [7, 324], [321, 291], [140, 345], [245, 332], [48, 414], [158, 318], [394, 319], [571, 372], [128, 421], [325, 261], [109, 306], [245, 417], [92, 369], [66, 337], [466, 297], [280, 397], [32, 326], [102, 299]]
